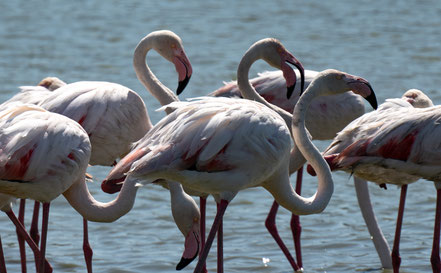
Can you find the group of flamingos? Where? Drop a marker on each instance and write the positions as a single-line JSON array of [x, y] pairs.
[[216, 145]]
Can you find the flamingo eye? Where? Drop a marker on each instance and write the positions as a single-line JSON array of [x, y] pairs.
[[339, 76]]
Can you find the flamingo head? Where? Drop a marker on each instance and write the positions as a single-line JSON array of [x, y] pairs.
[[335, 82], [279, 57], [417, 98], [169, 46], [187, 217]]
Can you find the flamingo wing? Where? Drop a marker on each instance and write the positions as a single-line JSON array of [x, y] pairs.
[[40, 147]]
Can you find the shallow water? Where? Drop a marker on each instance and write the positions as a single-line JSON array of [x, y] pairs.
[[393, 44]]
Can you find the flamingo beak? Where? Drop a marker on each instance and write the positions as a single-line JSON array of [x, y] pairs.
[[363, 88], [293, 60], [192, 246], [184, 69], [372, 99]]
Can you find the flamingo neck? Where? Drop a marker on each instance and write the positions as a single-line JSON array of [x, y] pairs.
[[184, 208], [321, 198], [247, 90], [83, 202], [163, 94]]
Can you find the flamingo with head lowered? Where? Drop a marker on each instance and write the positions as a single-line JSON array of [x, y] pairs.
[[221, 146]]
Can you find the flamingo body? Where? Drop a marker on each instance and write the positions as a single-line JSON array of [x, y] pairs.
[[113, 116], [32, 137], [396, 145], [204, 138]]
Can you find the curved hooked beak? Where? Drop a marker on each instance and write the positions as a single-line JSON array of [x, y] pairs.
[[184, 69], [363, 88], [293, 60], [192, 246]]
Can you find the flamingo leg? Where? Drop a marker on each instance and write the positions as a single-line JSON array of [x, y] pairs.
[[396, 259], [365, 204], [202, 209], [27, 238], [21, 241], [435, 259], [214, 228], [34, 228], [2, 258], [270, 224], [44, 227], [220, 246], [296, 228], [88, 252], [34, 225]]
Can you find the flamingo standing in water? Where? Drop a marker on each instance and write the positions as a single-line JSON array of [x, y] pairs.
[[115, 116], [29, 134], [222, 145], [397, 144], [326, 117]]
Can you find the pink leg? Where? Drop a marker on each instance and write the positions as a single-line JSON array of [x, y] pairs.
[[396, 259], [214, 228], [27, 238], [296, 228], [202, 209], [434, 259], [34, 225], [44, 226], [88, 253], [34, 229], [2, 258], [270, 225], [21, 242], [220, 247]]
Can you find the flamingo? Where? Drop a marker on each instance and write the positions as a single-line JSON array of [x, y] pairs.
[[113, 115], [223, 145], [326, 117], [397, 144], [28, 134]]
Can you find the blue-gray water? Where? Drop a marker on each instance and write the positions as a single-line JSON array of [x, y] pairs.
[[394, 44]]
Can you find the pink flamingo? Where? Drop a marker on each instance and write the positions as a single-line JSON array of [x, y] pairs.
[[396, 144], [326, 117], [113, 115], [28, 134], [222, 145]]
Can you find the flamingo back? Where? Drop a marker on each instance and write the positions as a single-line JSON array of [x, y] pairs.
[[41, 154], [210, 136], [113, 116], [403, 141]]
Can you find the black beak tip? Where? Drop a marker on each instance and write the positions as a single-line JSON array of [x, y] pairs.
[[290, 90], [302, 83], [372, 99], [182, 84], [183, 263]]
